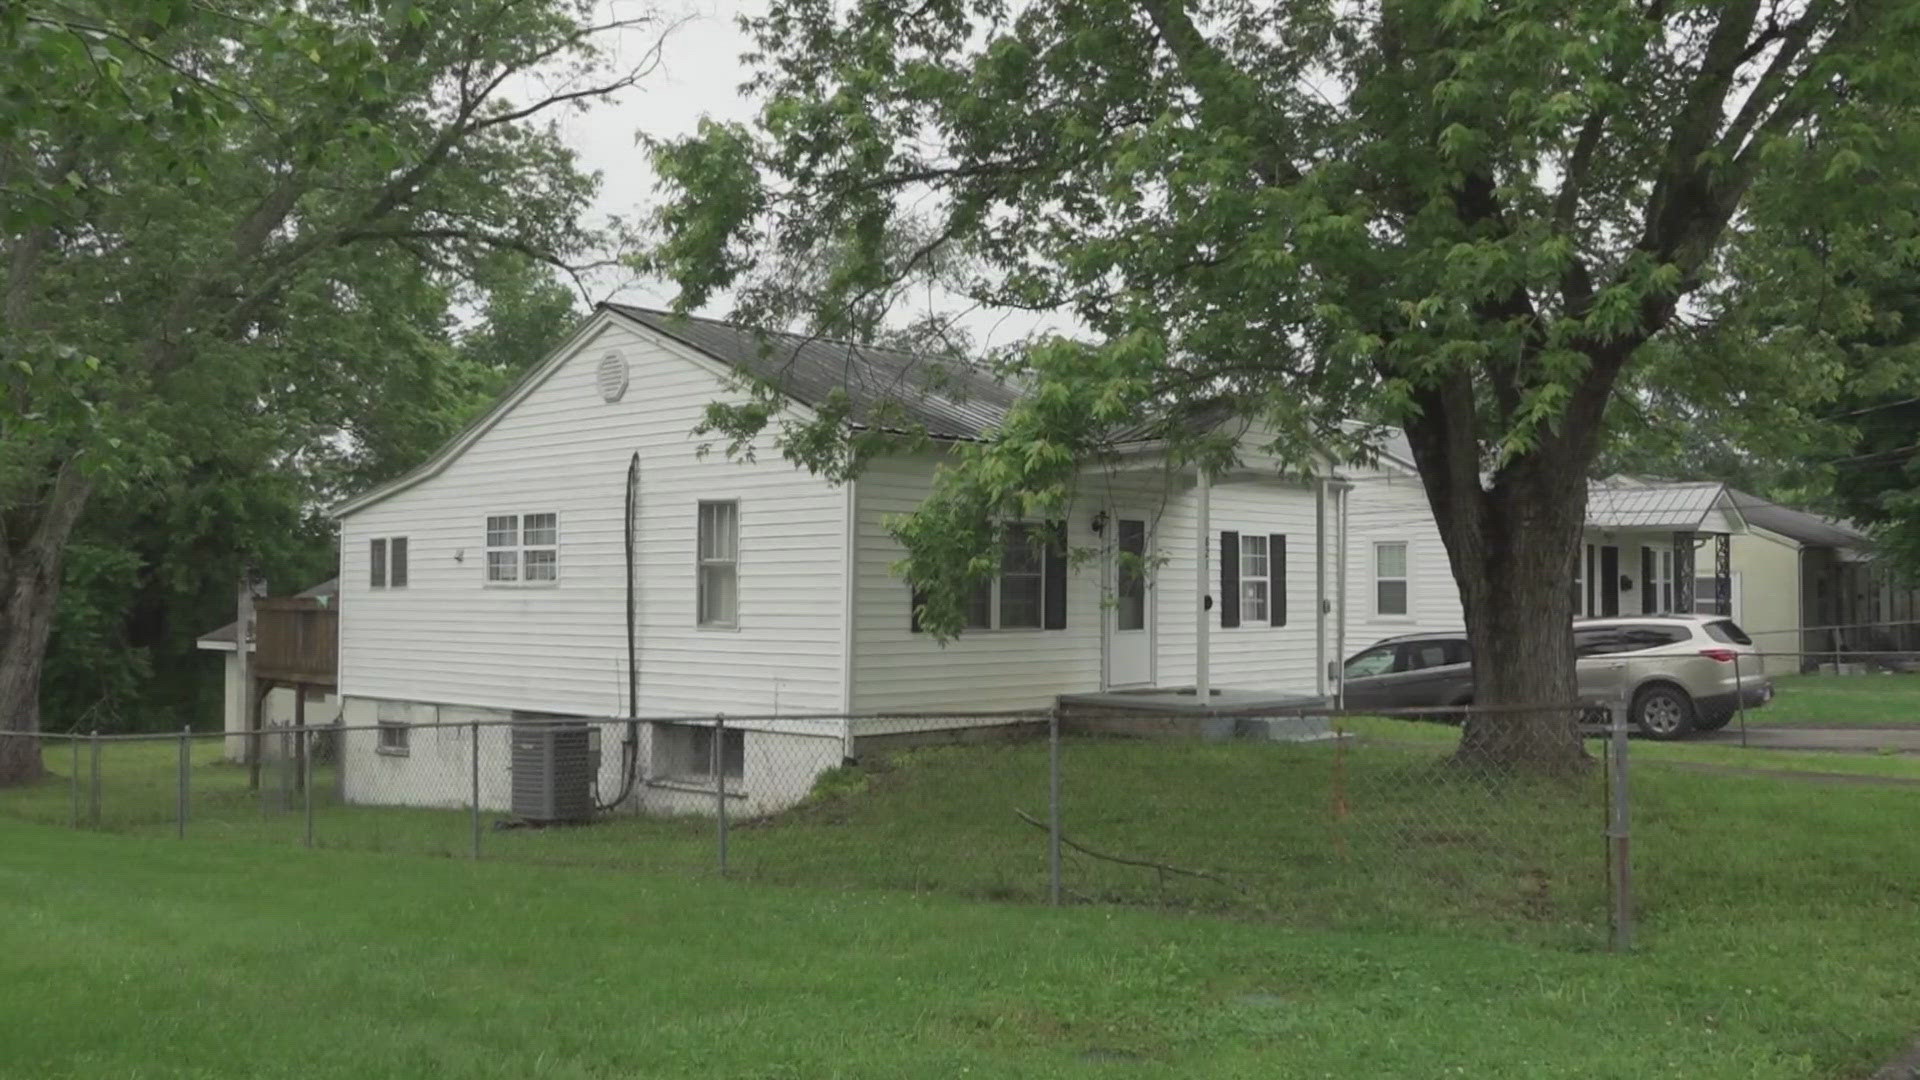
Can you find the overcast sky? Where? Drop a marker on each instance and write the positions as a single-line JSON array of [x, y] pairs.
[[699, 75]]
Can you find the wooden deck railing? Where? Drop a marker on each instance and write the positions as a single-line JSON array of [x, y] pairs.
[[296, 640]]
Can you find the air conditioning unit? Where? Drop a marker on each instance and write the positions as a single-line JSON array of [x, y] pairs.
[[554, 762]]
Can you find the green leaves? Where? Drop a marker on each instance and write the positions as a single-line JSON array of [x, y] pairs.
[[1476, 219]]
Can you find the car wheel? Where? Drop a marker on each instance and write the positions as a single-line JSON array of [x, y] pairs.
[[1663, 712]]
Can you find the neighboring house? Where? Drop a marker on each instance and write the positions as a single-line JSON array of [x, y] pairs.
[[1650, 546], [277, 706], [1844, 601], [1798, 583], [1399, 580], [767, 593], [1653, 547]]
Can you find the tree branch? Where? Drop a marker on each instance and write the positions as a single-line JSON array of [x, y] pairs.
[[1228, 97]]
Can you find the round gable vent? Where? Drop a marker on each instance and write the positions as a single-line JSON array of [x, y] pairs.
[[612, 377]]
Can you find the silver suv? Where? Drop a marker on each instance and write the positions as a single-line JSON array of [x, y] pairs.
[[1677, 673]]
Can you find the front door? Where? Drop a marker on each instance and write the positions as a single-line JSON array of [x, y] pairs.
[[1609, 582], [1130, 616]]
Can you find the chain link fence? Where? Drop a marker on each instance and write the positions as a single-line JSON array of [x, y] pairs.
[[1307, 818]]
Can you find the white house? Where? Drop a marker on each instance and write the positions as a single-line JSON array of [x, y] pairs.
[[491, 582]]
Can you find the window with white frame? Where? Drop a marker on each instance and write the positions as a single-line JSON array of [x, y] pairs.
[[393, 737], [1255, 579], [387, 562], [523, 549], [719, 564], [1390, 578], [1016, 598], [1662, 583]]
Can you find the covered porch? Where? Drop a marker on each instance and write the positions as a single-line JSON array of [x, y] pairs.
[[1222, 591], [1657, 549]]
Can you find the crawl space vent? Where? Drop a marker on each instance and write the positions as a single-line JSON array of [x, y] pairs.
[[612, 377]]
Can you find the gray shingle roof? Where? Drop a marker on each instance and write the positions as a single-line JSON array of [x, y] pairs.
[[886, 388], [1798, 524]]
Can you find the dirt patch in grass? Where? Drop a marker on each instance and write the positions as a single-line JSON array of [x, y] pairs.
[[1904, 1067]]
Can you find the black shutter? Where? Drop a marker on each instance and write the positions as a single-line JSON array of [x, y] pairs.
[[1054, 578], [1649, 593], [1229, 579], [397, 562], [1277, 574], [916, 597]]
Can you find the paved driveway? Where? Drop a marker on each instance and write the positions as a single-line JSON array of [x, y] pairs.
[[1904, 740]]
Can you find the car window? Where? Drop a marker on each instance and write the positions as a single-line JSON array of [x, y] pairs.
[[1598, 641], [1607, 640], [1421, 655], [1459, 651], [1636, 638], [1374, 661], [1728, 632]]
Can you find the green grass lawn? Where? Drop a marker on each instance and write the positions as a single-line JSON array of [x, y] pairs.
[[1863, 700], [138, 956], [1349, 836]]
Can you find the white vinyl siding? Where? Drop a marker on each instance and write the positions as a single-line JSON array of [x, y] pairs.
[[563, 451], [1256, 655], [1391, 507], [896, 668]]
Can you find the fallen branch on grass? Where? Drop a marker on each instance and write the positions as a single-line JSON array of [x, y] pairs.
[[1148, 864]]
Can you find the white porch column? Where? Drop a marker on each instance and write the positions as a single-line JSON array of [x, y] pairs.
[[1343, 492], [1320, 586], [1203, 576]]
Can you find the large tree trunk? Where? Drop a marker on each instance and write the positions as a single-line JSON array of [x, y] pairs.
[[25, 625], [1510, 541], [1518, 599], [30, 589]]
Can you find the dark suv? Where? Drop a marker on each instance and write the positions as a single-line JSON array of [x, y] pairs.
[[1413, 671]]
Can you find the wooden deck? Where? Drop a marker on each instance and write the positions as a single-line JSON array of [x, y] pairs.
[[296, 640]]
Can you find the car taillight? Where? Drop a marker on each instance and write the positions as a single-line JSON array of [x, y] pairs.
[[1725, 656]]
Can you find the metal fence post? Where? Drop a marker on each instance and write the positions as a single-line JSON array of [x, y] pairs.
[[340, 759], [186, 766], [1740, 698], [306, 778], [473, 779], [93, 783], [73, 776], [1053, 807], [720, 788], [1620, 864]]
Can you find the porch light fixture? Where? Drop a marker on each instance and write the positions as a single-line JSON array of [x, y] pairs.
[[1099, 523], [1626, 583]]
